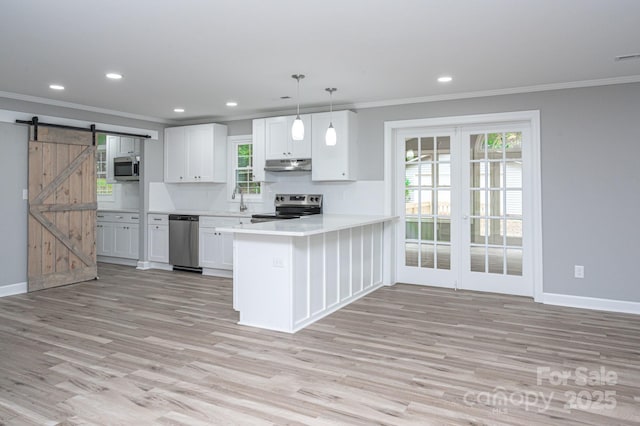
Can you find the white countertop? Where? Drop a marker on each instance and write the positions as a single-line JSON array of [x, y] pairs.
[[205, 213], [307, 225]]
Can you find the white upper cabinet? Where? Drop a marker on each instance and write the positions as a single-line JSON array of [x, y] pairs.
[[259, 154], [128, 146], [338, 162], [278, 142], [195, 153]]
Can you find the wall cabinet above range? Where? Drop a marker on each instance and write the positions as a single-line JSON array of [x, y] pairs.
[[195, 153], [278, 142]]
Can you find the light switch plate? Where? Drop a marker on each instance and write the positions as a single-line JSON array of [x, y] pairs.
[[25, 194]]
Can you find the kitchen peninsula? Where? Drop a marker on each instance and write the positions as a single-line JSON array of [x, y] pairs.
[[290, 273]]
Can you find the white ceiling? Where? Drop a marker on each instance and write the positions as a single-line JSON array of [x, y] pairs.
[[198, 54]]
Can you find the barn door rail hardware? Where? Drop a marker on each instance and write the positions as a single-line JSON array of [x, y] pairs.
[[35, 123]]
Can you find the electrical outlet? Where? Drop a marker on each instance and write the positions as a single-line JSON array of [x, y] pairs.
[[578, 271], [278, 262]]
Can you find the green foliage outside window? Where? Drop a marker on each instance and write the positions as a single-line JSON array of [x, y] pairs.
[[244, 169]]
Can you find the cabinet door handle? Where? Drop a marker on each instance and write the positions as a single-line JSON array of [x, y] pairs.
[[156, 218]]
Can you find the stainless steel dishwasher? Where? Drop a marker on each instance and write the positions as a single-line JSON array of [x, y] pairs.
[[183, 242]]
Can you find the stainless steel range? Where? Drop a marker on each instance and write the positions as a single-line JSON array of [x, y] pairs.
[[292, 206]]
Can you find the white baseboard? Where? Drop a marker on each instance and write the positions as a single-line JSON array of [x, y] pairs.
[[160, 265], [117, 260], [143, 265], [212, 272], [591, 303], [11, 289]]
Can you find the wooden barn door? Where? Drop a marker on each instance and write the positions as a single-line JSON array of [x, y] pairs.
[[62, 208]]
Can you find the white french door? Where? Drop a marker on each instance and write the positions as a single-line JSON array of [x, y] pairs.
[[464, 197]]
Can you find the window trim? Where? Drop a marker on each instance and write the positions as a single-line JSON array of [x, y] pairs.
[[232, 143], [105, 197]]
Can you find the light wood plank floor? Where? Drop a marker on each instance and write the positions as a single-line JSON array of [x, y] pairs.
[[154, 347]]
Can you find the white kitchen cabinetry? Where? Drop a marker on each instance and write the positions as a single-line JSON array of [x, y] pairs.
[[259, 155], [104, 238], [195, 153], [278, 142], [125, 240], [215, 247], [117, 236], [158, 235], [337, 162], [119, 146]]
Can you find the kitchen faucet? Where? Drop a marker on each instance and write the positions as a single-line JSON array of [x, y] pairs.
[[238, 189]]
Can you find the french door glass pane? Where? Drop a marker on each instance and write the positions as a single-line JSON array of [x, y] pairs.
[[427, 201], [496, 214], [443, 255], [477, 147], [444, 229], [514, 262], [426, 230], [478, 231], [514, 233], [411, 254], [427, 255], [478, 258], [444, 148], [496, 260], [426, 149]]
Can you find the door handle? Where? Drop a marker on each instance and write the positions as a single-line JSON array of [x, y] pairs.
[[465, 217]]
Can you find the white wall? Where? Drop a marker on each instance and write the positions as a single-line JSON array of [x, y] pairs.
[[13, 209], [339, 198]]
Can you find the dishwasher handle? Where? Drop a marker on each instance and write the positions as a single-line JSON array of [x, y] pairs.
[[185, 217]]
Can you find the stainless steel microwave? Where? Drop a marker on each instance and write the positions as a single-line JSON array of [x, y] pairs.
[[126, 168]]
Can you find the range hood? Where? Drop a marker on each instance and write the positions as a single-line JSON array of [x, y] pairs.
[[290, 165]]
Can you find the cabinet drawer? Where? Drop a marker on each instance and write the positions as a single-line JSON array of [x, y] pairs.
[[118, 217], [220, 221], [158, 219]]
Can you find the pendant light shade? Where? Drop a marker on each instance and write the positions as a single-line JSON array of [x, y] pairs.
[[330, 138], [297, 130]]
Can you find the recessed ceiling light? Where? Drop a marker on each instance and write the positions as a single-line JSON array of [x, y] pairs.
[[445, 79], [114, 76], [178, 110], [56, 87], [232, 104]]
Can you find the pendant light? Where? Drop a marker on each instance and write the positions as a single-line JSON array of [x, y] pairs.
[[297, 130], [330, 137]]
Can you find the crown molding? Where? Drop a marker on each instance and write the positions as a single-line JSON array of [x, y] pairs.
[[53, 102], [356, 105], [500, 92]]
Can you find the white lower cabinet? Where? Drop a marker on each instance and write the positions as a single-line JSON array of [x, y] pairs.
[[104, 239], [125, 240], [216, 248], [118, 235], [158, 235]]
